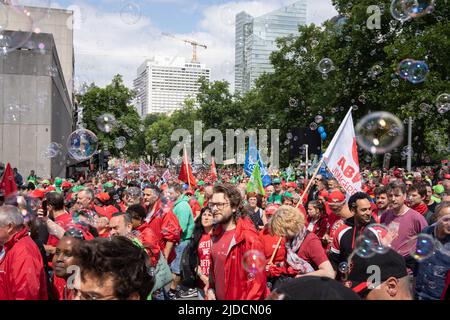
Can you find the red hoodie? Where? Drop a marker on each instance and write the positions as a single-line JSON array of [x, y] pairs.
[[239, 284], [22, 274]]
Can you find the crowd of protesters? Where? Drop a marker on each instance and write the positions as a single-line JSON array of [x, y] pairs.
[[136, 235]]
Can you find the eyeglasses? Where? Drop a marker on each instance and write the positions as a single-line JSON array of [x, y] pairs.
[[219, 205]]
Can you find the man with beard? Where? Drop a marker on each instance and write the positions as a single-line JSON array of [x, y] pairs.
[[345, 237], [233, 237]]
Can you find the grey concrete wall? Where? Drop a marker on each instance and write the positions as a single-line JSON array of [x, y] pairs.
[[35, 109], [55, 21]]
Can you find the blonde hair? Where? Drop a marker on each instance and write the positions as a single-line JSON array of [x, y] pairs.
[[287, 222]]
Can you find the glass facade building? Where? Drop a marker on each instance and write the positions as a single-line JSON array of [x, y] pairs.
[[256, 40]]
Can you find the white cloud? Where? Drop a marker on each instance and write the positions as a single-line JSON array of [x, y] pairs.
[[106, 45]]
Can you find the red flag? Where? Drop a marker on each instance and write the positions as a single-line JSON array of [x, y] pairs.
[[213, 171], [186, 172], [8, 184]]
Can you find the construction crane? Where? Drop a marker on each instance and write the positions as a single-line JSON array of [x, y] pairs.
[[193, 43]]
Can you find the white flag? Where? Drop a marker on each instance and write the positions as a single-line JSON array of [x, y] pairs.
[[341, 157]]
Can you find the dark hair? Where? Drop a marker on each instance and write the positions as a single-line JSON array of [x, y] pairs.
[[380, 190], [136, 211], [421, 189], [191, 260], [56, 200], [318, 205], [76, 233], [396, 185], [234, 196], [154, 188], [120, 258], [126, 216], [355, 197]]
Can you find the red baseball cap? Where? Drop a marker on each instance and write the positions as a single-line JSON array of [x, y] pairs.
[[447, 176], [292, 185], [37, 193], [336, 196], [271, 208], [49, 189], [66, 184], [103, 196]]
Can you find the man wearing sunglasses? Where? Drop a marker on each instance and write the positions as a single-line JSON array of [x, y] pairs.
[[235, 246]]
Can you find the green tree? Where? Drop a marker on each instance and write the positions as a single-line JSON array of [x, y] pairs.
[[114, 99]]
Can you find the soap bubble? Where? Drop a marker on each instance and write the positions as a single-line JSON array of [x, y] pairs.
[[106, 122], [293, 102], [380, 236], [325, 66], [399, 11], [120, 142], [423, 246], [318, 119], [374, 132], [130, 13], [82, 144], [404, 68], [364, 247], [52, 150], [313, 126], [443, 103], [395, 82], [254, 261], [418, 72], [343, 267], [418, 8]]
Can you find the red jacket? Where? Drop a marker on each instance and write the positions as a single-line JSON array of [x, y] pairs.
[[238, 284], [164, 226], [106, 211], [270, 242], [22, 274]]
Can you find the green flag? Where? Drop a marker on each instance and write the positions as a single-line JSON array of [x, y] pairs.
[[255, 183]]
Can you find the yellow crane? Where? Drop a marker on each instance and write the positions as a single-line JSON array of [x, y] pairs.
[[194, 44]]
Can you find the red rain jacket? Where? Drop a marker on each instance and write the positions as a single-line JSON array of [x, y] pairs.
[[22, 274], [238, 284]]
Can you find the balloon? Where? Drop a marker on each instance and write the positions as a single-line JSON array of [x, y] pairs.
[[324, 135], [320, 130]]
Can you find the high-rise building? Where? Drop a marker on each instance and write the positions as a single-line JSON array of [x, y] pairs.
[[256, 40], [163, 84]]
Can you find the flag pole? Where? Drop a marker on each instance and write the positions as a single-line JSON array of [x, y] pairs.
[[310, 182], [186, 164], [275, 250]]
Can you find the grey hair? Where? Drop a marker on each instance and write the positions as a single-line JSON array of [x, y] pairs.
[[89, 192], [10, 215]]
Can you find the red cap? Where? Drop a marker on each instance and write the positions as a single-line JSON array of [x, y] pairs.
[[49, 189], [397, 173], [271, 208], [336, 196], [292, 185], [66, 184], [103, 196], [189, 192], [37, 193], [323, 193], [447, 176]]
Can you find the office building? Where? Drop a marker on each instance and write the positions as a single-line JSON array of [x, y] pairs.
[[256, 40], [164, 83]]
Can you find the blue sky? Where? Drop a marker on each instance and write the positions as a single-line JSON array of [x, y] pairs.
[[116, 36]]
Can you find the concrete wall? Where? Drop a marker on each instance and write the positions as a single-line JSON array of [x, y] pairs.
[[35, 109], [55, 21]]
